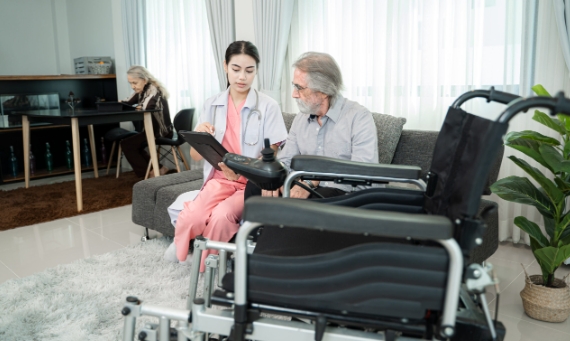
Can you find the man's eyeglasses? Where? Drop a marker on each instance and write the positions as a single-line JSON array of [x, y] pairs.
[[298, 87]]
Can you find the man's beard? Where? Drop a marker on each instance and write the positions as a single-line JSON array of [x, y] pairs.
[[307, 108]]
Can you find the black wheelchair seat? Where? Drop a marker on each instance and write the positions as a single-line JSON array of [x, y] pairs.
[[374, 279]]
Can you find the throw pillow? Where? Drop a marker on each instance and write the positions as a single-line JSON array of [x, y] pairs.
[[389, 131], [288, 118]]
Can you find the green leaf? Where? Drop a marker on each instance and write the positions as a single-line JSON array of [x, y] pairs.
[[554, 159], [567, 147], [551, 257], [540, 90], [521, 190], [550, 188], [565, 240], [534, 245], [528, 142], [530, 135], [562, 226], [565, 121], [532, 229], [551, 123], [549, 226], [562, 185]]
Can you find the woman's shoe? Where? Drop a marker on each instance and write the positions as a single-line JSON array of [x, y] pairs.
[[188, 260], [170, 254]]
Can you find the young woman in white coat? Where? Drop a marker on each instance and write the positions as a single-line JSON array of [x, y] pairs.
[[240, 118]]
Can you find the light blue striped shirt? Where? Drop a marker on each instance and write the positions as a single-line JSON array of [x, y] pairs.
[[348, 132]]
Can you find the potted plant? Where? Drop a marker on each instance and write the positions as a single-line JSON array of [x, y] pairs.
[[544, 296]]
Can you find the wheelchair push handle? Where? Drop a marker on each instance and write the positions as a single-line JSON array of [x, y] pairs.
[[501, 96], [491, 95], [557, 105]]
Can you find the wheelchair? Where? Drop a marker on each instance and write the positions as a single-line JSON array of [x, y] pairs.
[[414, 284]]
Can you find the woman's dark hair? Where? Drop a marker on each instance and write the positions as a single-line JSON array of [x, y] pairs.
[[241, 47]]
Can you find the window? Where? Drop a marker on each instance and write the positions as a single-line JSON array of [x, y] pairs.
[[412, 58]]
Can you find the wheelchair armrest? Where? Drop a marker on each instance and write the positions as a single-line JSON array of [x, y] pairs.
[[322, 164], [312, 215]]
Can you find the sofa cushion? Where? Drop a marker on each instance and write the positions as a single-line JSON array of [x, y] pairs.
[[145, 194], [164, 198], [389, 130]]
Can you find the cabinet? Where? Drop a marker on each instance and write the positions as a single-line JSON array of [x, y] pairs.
[[85, 87]]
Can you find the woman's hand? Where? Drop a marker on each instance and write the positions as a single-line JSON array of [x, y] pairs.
[[230, 174], [205, 127]]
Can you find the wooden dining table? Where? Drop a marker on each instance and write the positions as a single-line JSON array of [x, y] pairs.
[[84, 117]]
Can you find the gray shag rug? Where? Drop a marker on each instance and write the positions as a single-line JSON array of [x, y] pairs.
[[83, 300]]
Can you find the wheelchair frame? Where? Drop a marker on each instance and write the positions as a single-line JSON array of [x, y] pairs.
[[205, 320]]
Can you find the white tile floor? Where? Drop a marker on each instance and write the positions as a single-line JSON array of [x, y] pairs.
[[31, 249]]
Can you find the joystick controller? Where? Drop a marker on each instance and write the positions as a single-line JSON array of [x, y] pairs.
[[266, 173]]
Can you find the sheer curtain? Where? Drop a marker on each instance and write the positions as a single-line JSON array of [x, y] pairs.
[[412, 58], [134, 31], [221, 16], [179, 52], [550, 71], [272, 25]]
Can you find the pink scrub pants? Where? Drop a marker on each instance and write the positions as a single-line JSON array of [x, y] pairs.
[[214, 214]]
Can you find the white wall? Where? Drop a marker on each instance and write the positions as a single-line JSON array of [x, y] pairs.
[[90, 28], [27, 38], [41, 37]]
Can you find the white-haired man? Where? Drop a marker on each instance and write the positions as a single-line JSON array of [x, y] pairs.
[[327, 125]]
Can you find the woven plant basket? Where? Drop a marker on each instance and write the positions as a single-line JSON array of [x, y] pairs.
[[546, 304]]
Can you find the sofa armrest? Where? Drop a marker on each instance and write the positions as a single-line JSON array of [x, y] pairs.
[[164, 198], [145, 194]]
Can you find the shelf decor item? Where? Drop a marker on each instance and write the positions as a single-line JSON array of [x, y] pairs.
[[13, 162], [93, 65], [103, 151], [49, 159], [86, 158], [68, 155], [28, 102], [545, 297], [32, 161]]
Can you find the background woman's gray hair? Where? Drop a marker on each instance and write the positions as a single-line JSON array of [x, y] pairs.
[[142, 73], [323, 73]]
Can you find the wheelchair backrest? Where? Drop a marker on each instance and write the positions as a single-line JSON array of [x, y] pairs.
[[464, 155]]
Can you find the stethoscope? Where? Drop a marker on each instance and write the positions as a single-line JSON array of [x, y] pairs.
[[251, 112]]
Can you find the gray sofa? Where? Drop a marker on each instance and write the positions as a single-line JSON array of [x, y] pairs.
[[400, 146]]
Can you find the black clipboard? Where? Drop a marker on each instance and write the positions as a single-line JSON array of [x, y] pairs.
[[206, 145]]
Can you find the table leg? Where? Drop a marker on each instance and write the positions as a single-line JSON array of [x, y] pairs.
[[93, 150], [77, 163], [26, 136], [151, 144]]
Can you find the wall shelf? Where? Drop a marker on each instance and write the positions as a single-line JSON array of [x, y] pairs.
[[55, 77], [86, 87], [44, 173]]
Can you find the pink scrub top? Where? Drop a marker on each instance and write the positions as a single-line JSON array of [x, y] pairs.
[[232, 140]]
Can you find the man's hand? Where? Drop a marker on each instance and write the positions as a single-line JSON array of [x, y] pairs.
[[276, 193], [298, 193], [230, 174], [205, 127]]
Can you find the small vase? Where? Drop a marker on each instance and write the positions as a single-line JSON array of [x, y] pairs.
[[543, 303]]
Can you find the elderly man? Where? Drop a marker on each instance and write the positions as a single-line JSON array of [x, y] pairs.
[[328, 124]]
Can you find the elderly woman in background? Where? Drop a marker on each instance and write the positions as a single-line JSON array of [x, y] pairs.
[[149, 94]]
